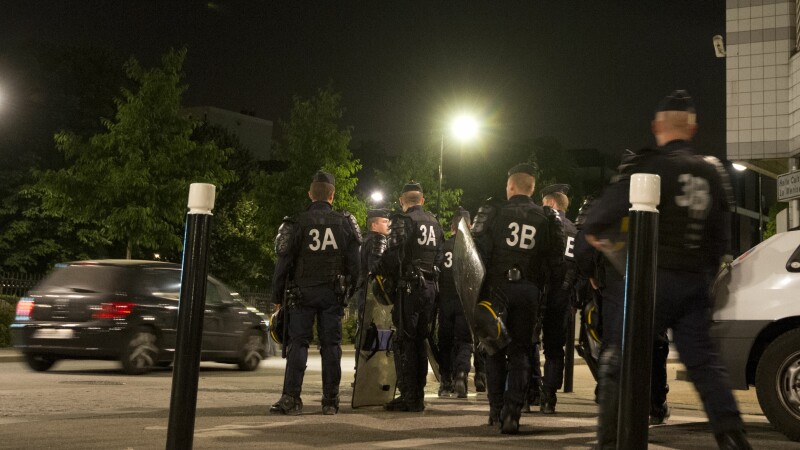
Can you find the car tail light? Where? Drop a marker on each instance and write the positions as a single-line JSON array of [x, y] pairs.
[[24, 309], [114, 310]]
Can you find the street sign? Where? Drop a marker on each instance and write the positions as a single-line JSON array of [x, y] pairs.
[[789, 186]]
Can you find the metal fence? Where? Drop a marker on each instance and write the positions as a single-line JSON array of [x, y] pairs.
[[17, 283], [259, 298]]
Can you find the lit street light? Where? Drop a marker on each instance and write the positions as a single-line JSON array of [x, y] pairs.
[[377, 197], [464, 127]]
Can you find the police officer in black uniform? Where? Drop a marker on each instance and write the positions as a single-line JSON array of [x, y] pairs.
[[371, 250], [559, 303], [519, 243], [318, 265], [693, 237], [455, 338], [411, 263]]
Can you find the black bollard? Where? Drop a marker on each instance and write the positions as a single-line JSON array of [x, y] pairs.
[[569, 352], [640, 297], [194, 272]]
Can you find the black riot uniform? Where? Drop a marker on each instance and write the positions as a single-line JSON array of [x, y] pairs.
[[558, 306], [411, 263], [371, 251], [521, 244], [693, 237], [318, 264], [455, 338]]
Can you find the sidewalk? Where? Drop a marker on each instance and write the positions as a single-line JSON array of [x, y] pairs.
[[9, 354]]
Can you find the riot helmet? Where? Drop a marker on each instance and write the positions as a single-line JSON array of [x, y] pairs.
[[489, 328], [276, 324]]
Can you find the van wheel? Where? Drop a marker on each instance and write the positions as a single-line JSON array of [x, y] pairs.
[[252, 351], [778, 383], [140, 351], [39, 363]]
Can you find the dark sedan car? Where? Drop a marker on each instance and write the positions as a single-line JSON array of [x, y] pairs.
[[127, 310]]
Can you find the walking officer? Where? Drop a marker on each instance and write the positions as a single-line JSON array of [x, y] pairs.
[[521, 244], [411, 263], [558, 303], [455, 337], [317, 267], [693, 237]]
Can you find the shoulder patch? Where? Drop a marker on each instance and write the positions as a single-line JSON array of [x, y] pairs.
[[354, 225], [285, 237]]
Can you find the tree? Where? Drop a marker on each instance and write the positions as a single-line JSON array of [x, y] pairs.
[[129, 184], [422, 166], [311, 140], [56, 87], [556, 165], [237, 254]]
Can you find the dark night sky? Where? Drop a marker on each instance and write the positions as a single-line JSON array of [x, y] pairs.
[[588, 73]]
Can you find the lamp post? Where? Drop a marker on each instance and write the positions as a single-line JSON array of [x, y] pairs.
[[464, 127]]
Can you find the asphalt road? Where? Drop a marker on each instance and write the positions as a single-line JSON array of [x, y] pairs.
[[91, 404]]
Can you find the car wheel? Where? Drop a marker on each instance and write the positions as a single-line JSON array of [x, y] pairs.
[[39, 363], [252, 351], [778, 384], [140, 352], [164, 364]]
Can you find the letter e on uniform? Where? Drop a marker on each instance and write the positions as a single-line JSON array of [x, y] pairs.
[[570, 246]]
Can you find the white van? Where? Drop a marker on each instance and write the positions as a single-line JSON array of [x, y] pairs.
[[756, 325]]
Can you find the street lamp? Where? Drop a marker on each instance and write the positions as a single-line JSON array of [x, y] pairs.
[[464, 127], [376, 197]]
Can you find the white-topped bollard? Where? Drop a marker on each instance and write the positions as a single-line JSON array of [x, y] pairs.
[[640, 299], [201, 198], [645, 193], [189, 335]]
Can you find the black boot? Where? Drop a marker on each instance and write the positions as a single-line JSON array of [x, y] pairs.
[[460, 385], [494, 417], [288, 405], [535, 392], [397, 404], [609, 398], [445, 388], [415, 404], [547, 403], [480, 382], [659, 414], [330, 406], [509, 420], [733, 440]]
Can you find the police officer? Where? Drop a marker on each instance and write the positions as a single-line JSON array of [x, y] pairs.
[[519, 243], [559, 303], [455, 338], [371, 250], [318, 264], [693, 237], [411, 263]]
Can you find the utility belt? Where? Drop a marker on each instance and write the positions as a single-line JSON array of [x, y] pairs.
[[512, 275], [416, 277], [339, 286], [415, 274]]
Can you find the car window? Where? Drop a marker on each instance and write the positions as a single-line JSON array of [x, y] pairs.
[[212, 294], [165, 283], [86, 279]]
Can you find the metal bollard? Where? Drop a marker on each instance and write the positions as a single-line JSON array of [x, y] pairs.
[[640, 296], [194, 272]]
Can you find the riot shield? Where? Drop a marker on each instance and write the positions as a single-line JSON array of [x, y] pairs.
[[432, 348], [468, 272], [375, 376]]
